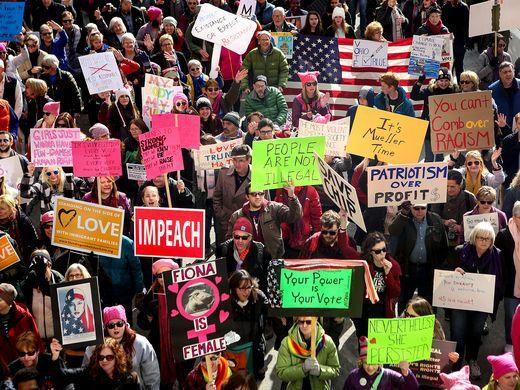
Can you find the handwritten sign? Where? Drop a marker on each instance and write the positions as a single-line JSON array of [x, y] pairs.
[[11, 18], [426, 56], [335, 133], [97, 158], [223, 28], [88, 227], [470, 221], [8, 255], [11, 170], [461, 121], [486, 17], [298, 21], [181, 129], [53, 146], [135, 172], [474, 292], [101, 72], [157, 96], [370, 54], [394, 340], [246, 8], [341, 192], [275, 162], [285, 42], [393, 184], [393, 138], [160, 154], [215, 156]]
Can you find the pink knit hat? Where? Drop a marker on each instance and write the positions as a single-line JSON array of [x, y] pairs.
[[114, 313], [308, 77], [154, 13], [458, 380], [52, 108], [161, 263], [502, 364], [179, 96], [363, 347]]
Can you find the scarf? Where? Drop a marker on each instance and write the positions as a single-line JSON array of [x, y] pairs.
[[215, 106], [473, 187], [167, 366], [223, 373], [297, 350], [435, 30], [516, 255], [296, 240]]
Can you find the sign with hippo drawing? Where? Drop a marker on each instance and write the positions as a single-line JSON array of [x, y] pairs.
[[197, 297]]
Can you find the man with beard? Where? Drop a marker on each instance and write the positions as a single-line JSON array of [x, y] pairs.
[[6, 151]]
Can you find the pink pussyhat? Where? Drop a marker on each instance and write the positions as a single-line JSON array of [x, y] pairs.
[[308, 77], [502, 364], [458, 380], [318, 118], [52, 108]]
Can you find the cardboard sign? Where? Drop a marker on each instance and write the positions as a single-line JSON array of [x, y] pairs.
[[285, 42], [393, 138], [474, 292], [11, 169], [246, 8], [486, 17], [53, 146], [223, 28], [215, 156], [394, 184], [461, 121], [393, 340], [163, 232], [135, 172], [97, 158], [88, 227], [183, 129], [160, 154], [370, 54], [426, 56], [298, 21], [341, 192], [277, 161], [335, 133], [198, 304], [470, 221], [101, 72], [8, 255], [157, 96], [11, 19]]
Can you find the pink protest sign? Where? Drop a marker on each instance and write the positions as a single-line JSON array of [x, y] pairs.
[[161, 153], [53, 146], [97, 158], [185, 128]]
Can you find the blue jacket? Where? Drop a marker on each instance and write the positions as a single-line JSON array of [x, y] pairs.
[[508, 105], [404, 106], [58, 47], [267, 16]]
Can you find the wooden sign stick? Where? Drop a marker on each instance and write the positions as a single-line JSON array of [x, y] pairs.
[[313, 336], [168, 196], [209, 368], [98, 182]]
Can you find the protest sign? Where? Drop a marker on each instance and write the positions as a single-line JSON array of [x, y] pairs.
[[335, 133], [298, 21], [88, 227], [160, 154], [8, 255], [101, 72], [277, 161], [285, 42], [181, 129], [135, 172], [393, 138], [316, 287], [169, 232], [157, 96], [370, 54], [11, 170], [215, 156], [223, 28], [426, 56], [11, 19], [97, 158], [53, 146], [394, 184], [198, 301], [394, 340], [490, 16], [470, 221], [461, 121], [341, 192], [473, 292], [246, 8]]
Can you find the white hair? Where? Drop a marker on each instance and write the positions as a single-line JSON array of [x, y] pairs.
[[483, 229], [114, 20]]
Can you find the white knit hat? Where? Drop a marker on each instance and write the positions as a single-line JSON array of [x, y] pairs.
[[338, 11]]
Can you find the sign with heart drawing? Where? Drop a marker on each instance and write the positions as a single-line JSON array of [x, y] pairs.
[[199, 307]]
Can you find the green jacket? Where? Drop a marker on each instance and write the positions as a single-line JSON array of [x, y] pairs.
[[492, 385], [289, 368], [272, 65], [272, 105]]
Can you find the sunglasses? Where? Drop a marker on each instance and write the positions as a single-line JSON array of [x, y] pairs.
[[265, 132], [465, 81], [46, 33], [255, 194], [485, 239], [175, 79], [49, 173], [470, 163], [311, 84], [5, 140], [28, 353], [67, 20], [489, 202], [212, 89], [47, 227], [180, 104], [112, 325], [306, 322], [419, 208], [32, 46], [108, 358], [243, 238], [329, 232], [194, 69], [378, 251], [408, 315]]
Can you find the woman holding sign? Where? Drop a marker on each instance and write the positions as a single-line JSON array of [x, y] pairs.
[[310, 102], [486, 197]]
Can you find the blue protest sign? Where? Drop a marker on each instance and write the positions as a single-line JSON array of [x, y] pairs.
[[11, 18]]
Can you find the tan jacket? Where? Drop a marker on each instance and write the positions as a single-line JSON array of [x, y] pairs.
[[26, 66]]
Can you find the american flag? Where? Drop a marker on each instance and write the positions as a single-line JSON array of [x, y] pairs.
[[332, 57]]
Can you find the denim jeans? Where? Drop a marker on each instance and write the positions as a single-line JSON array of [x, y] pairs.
[[510, 305], [362, 4], [466, 329]]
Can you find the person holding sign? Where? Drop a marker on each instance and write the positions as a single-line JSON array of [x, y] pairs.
[[198, 377], [486, 197], [297, 365], [181, 196], [490, 59], [121, 113], [310, 101]]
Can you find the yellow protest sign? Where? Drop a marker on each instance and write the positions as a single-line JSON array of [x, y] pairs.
[[88, 227], [393, 138], [8, 255]]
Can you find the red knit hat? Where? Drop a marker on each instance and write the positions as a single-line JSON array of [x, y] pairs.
[[243, 224], [4, 115]]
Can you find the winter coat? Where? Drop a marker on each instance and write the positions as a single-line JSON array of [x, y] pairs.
[[393, 285], [272, 105], [300, 108], [196, 44], [404, 107], [184, 200], [510, 152], [391, 380], [137, 19], [345, 247], [504, 241], [119, 118], [502, 219], [22, 231], [65, 90], [384, 16], [512, 195], [58, 48], [508, 104], [456, 19], [26, 65], [230, 63], [272, 65], [486, 72], [264, 13], [286, 27]]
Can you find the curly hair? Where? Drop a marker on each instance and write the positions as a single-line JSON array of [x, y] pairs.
[[371, 240], [122, 364]]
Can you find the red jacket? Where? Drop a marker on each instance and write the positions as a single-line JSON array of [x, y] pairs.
[[356, 183], [229, 63], [346, 246], [393, 285]]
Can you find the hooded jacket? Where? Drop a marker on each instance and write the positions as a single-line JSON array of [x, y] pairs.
[[404, 105], [272, 65]]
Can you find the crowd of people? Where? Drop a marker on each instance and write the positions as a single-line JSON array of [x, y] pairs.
[[42, 86]]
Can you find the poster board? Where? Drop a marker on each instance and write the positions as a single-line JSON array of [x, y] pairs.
[[157, 96], [298, 21], [97, 158], [426, 56], [470, 221], [11, 19], [8, 255], [335, 133], [184, 129], [53, 146], [135, 172], [481, 17], [246, 8], [370, 54], [215, 156], [11, 169], [285, 42], [101, 72], [160, 154]]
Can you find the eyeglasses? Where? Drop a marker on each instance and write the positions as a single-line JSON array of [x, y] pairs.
[[108, 358], [248, 288], [255, 194], [419, 208], [75, 276], [466, 81], [28, 353], [470, 163], [5, 140], [489, 202], [47, 226], [378, 251], [485, 239], [61, 124], [180, 104], [112, 325], [66, 21], [265, 132], [49, 173], [329, 232], [304, 322], [212, 89], [311, 84]]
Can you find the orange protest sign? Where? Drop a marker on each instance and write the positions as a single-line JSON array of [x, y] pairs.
[[8, 255], [88, 227]]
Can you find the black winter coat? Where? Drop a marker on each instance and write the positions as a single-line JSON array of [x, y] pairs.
[[64, 90]]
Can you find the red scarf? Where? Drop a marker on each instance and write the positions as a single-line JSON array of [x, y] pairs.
[[436, 30]]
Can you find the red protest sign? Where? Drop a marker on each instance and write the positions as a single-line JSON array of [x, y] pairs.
[[97, 158], [161, 154], [169, 232], [184, 128]]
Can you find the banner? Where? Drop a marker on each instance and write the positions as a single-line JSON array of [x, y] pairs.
[[53, 146], [335, 133], [164, 232], [183, 128], [11, 19], [394, 340], [486, 17], [277, 161], [215, 156], [88, 227], [8, 255], [470, 221], [197, 298], [135, 172], [370, 54], [97, 158], [341, 192], [391, 185], [101, 72], [393, 138], [11, 170], [461, 121], [473, 292], [157, 96], [160, 154], [285, 42], [426, 56]]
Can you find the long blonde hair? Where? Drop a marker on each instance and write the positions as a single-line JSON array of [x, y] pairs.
[[61, 177]]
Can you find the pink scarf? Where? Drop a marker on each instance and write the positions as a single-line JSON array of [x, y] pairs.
[[516, 255]]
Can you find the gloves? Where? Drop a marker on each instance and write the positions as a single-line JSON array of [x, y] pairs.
[[312, 366], [493, 62], [421, 79]]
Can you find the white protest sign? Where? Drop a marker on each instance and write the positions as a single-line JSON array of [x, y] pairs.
[[393, 184], [223, 28], [136, 172], [157, 93], [470, 221], [11, 169], [246, 8], [101, 72], [370, 54], [335, 132], [340, 192], [447, 47], [53, 146], [473, 292], [215, 156], [504, 14], [429, 47]]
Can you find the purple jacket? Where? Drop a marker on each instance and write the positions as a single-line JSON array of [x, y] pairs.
[[502, 218], [358, 379], [299, 107]]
